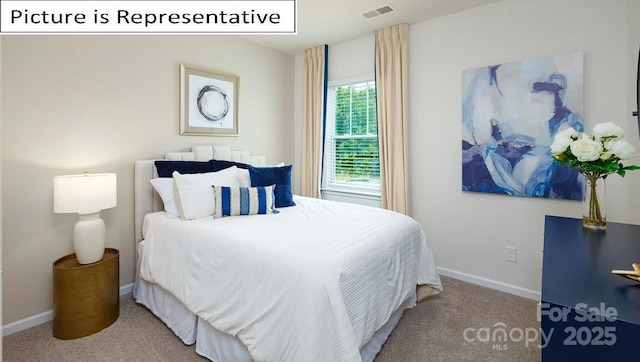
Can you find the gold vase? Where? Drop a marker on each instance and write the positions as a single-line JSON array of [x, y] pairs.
[[594, 203]]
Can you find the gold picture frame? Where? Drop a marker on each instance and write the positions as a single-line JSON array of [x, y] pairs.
[[208, 102]]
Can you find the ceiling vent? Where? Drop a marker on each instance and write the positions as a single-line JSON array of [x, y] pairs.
[[378, 11]]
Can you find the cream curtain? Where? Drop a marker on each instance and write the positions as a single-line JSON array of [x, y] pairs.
[[391, 88], [313, 119]]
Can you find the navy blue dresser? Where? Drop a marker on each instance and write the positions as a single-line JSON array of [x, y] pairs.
[[587, 313]]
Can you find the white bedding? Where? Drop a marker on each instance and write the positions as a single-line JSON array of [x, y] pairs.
[[306, 284]]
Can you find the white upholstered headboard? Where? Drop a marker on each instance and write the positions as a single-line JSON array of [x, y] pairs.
[[146, 200]]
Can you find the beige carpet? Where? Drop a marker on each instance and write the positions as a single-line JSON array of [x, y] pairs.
[[432, 331]]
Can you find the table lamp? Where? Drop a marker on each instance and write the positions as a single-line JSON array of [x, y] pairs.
[[86, 195]]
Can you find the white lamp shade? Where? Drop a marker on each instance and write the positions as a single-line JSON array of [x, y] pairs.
[[84, 193]]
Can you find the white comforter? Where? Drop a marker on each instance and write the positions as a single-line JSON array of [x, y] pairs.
[[312, 283]]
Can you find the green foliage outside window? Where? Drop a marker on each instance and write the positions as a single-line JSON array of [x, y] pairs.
[[356, 133], [357, 159]]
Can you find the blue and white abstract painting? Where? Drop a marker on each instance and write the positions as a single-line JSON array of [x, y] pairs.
[[510, 113]]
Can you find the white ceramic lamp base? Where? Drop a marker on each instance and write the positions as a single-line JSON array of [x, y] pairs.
[[88, 238]]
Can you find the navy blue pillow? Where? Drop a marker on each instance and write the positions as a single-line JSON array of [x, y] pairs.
[[218, 165], [279, 176], [166, 168]]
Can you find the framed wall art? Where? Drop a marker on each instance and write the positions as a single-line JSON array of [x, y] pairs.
[[510, 114], [208, 102]]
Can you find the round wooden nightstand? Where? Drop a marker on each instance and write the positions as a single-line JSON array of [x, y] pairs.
[[86, 297]]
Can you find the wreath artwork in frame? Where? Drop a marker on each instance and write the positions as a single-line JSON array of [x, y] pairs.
[[208, 102]]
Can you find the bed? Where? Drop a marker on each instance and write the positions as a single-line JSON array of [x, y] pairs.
[[316, 280]]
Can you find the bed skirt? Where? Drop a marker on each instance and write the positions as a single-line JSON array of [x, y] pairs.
[[219, 346]]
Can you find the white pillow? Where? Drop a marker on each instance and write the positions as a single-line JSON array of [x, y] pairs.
[[194, 192], [243, 177], [164, 188]]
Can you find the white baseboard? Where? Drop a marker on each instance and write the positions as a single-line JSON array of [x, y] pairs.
[[503, 287], [45, 317], [21, 325]]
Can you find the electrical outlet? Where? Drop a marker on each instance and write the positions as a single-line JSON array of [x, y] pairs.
[[510, 254]]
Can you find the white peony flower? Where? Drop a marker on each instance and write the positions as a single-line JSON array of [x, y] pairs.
[[567, 133], [562, 140], [560, 145], [586, 149], [622, 149], [607, 130]]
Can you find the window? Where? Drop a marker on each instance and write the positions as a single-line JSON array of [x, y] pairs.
[[351, 161]]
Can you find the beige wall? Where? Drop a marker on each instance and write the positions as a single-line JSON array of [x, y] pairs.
[[469, 231], [97, 103]]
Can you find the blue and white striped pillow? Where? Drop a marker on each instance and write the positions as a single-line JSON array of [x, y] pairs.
[[234, 201]]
